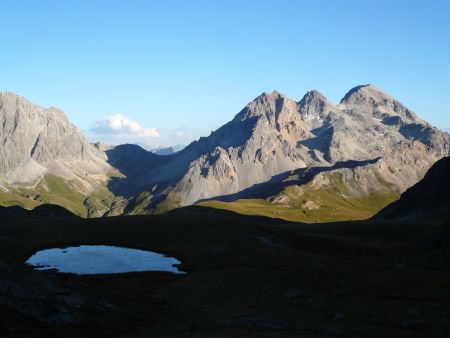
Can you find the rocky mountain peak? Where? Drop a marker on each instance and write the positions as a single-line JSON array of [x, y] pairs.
[[265, 105], [274, 95], [314, 105], [273, 134], [314, 94], [36, 141], [270, 136], [269, 99], [362, 93], [370, 100], [12, 103]]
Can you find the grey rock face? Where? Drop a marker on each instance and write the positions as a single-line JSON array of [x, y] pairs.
[[36, 141], [271, 135], [274, 134]]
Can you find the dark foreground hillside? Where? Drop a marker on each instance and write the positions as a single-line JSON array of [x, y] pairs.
[[41, 211], [428, 198], [246, 277]]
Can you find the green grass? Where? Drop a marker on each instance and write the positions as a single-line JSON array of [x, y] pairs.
[[141, 204], [171, 202], [8, 199], [334, 201], [100, 202], [55, 190]]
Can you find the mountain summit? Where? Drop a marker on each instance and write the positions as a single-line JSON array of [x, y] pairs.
[[36, 141], [368, 147], [44, 158], [274, 134]]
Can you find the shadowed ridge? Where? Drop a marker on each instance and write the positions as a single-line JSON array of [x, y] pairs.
[[428, 198], [128, 157], [132, 161], [278, 182], [51, 210], [41, 211]]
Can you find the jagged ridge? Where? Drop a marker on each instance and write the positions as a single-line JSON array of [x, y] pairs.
[[274, 134]]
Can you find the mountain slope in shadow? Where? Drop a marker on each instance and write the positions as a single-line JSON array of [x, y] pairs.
[[428, 198], [41, 211], [348, 190], [290, 178]]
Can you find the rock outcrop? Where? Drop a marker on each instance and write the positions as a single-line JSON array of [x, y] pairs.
[[37, 141], [274, 134]]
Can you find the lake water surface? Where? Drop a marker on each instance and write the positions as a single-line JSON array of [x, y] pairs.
[[102, 259]]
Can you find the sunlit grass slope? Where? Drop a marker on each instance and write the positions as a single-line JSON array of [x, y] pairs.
[[55, 190], [309, 204]]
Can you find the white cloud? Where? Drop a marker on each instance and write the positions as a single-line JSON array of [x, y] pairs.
[[118, 129], [121, 127]]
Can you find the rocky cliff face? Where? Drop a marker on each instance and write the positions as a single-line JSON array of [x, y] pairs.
[[45, 159], [274, 134], [37, 141]]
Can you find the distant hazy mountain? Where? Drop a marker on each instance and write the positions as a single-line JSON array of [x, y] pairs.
[[273, 135], [167, 150], [428, 198]]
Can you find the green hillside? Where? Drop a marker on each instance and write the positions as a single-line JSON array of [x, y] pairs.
[[306, 203]]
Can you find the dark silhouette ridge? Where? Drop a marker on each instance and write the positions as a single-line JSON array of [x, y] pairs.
[[41, 211], [428, 198]]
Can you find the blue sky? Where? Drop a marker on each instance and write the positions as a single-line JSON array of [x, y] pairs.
[[166, 72]]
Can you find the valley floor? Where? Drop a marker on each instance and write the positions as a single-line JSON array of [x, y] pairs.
[[246, 277]]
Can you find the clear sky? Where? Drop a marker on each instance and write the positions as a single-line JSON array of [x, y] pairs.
[[166, 72]]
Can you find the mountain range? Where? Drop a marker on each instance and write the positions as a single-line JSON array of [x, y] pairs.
[[308, 160]]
